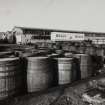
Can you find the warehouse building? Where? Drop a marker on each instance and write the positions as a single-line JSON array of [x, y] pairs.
[[26, 35], [30, 35]]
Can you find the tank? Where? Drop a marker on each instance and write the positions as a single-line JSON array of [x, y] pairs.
[[64, 70], [85, 65], [39, 74]]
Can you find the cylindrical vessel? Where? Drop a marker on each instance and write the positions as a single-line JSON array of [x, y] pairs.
[[44, 51], [100, 52], [6, 54], [60, 52], [64, 70], [90, 50], [82, 49], [10, 77], [85, 65], [72, 48], [39, 74]]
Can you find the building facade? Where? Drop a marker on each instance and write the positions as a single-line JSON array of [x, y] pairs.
[[26, 35]]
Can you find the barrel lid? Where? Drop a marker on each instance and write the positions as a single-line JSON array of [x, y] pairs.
[[81, 54], [5, 52], [8, 59], [63, 58], [37, 58], [54, 54]]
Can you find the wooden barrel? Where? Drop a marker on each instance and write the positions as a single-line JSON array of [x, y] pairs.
[[85, 65], [90, 50], [6, 54], [39, 74], [64, 70], [72, 48], [10, 77], [4, 48], [44, 51], [99, 52], [82, 49], [59, 51]]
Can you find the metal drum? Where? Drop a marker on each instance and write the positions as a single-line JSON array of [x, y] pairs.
[[39, 74], [72, 48], [85, 65], [64, 70], [10, 77]]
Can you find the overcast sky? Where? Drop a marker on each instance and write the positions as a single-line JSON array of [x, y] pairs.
[[83, 15]]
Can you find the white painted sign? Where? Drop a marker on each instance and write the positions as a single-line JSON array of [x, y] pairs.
[[60, 36]]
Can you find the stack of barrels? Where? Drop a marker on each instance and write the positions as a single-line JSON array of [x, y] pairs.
[[6, 54], [42, 72], [39, 72]]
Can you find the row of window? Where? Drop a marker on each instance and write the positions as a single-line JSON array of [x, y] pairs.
[[40, 37], [37, 32], [99, 41]]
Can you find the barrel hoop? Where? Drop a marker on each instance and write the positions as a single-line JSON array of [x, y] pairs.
[[7, 64], [12, 76], [61, 69], [6, 69], [36, 89], [6, 92]]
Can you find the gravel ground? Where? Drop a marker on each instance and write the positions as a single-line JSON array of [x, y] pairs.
[[70, 94]]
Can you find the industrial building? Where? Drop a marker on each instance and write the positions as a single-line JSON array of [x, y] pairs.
[[26, 35]]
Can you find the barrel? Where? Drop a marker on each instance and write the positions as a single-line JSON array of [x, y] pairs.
[[44, 51], [6, 54], [39, 74], [100, 52], [10, 77], [82, 49], [60, 52], [4, 48], [64, 70], [85, 65], [72, 48], [90, 50]]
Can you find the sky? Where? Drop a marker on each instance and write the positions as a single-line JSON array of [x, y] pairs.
[[79, 15]]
